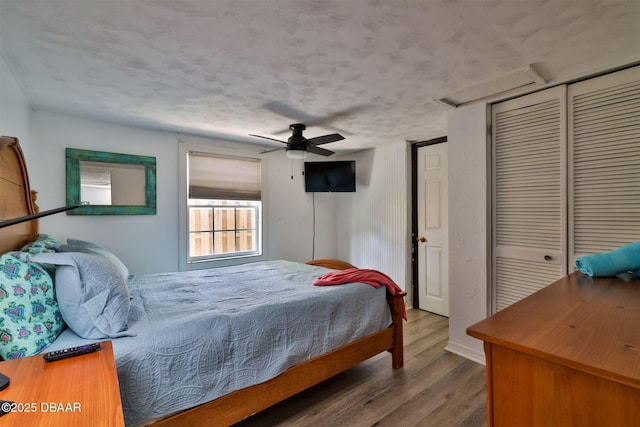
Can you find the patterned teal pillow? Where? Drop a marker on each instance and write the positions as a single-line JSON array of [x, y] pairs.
[[29, 316], [43, 244]]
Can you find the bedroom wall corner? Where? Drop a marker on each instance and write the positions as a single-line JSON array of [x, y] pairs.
[[468, 226], [374, 222], [301, 226], [15, 110]]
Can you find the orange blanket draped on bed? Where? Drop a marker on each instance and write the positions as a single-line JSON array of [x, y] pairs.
[[374, 278]]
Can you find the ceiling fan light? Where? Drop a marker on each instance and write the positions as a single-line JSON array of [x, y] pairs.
[[297, 154]]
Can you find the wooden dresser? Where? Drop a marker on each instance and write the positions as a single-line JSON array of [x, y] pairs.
[[568, 355]]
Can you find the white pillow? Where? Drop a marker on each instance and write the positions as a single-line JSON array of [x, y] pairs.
[[92, 296]]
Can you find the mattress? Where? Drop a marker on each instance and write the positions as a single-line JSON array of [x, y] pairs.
[[202, 334]]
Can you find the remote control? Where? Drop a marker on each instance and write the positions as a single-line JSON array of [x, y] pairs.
[[70, 352]]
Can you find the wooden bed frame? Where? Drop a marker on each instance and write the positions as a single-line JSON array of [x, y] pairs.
[[17, 199]]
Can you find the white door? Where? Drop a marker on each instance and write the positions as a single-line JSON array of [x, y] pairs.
[[529, 194], [604, 161], [433, 235]]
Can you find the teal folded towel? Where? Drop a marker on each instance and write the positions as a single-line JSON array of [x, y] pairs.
[[610, 264]]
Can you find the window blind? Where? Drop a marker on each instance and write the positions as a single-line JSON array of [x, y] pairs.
[[224, 178]]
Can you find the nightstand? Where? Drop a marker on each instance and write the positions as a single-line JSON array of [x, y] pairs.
[[78, 391]]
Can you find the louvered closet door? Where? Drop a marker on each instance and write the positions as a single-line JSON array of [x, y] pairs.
[[529, 194], [604, 144]]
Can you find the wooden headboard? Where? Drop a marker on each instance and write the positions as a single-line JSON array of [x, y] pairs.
[[16, 197]]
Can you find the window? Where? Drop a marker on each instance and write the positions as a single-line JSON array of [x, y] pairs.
[[222, 227], [224, 207]]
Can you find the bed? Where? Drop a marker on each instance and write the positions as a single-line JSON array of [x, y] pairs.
[[170, 373]]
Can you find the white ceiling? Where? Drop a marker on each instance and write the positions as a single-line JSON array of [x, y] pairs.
[[224, 68]]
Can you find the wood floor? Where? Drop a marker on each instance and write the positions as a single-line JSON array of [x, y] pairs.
[[435, 388]]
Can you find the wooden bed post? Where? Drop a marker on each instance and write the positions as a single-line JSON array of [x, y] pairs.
[[396, 303]]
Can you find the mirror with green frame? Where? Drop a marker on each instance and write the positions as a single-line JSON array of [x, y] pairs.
[[103, 183]]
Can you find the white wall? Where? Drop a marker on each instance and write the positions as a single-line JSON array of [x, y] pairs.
[[374, 223], [468, 225], [14, 109], [290, 230], [149, 243], [145, 243]]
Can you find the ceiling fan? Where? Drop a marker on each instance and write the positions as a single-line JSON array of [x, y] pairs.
[[298, 146]]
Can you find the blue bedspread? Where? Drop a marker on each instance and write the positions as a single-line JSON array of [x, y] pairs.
[[203, 334]]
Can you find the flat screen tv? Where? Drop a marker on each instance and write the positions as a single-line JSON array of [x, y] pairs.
[[323, 177]]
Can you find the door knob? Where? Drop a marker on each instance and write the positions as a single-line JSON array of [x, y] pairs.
[[421, 239]]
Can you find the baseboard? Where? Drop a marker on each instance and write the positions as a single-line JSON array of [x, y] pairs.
[[466, 352]]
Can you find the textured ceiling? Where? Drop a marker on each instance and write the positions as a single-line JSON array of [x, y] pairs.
[[366, 68]]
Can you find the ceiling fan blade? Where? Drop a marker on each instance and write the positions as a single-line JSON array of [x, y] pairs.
[[326, 139], [317, 150], [266, 137], [272, 150]]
